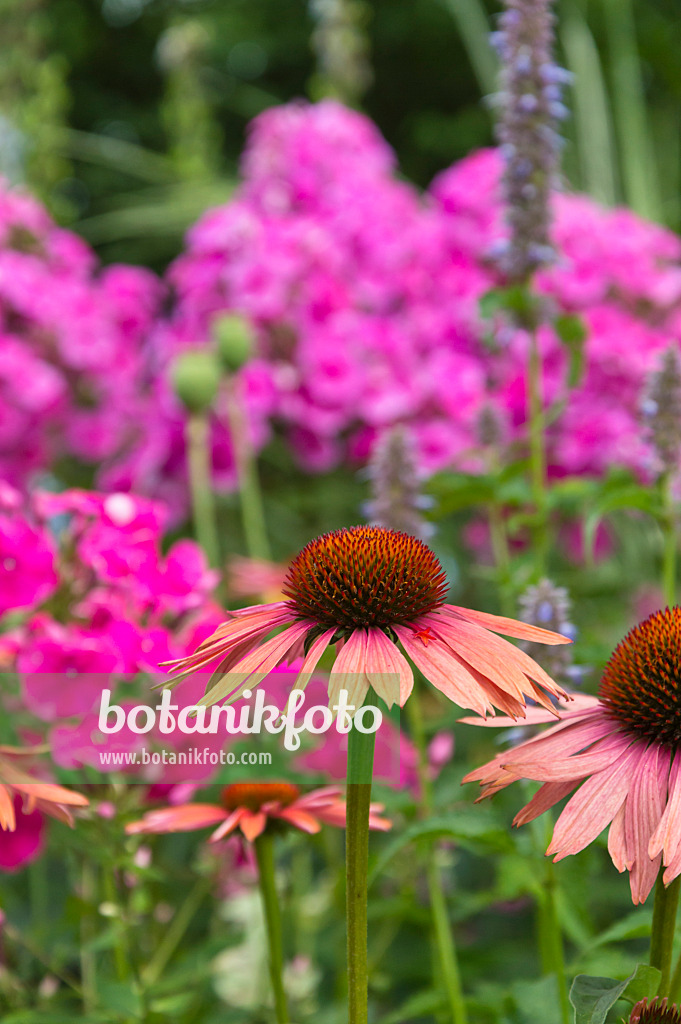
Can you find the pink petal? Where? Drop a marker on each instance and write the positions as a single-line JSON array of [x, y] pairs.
[[667, 836], [580, 705], [600, 756], [592, 808], [252, 669], [311, 659], [545, 797], [349, 671], [509, 627], [388, 670], [617, 843], [643, 810]]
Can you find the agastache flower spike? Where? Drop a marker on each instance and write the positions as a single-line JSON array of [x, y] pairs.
[[381, 593], [396, 502], [661, 410], [530, 104], [654, 1011], [544, 604]]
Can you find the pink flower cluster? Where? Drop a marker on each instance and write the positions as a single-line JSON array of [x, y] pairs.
[[102, 606], [365, 299], [364, 296], [73, 367]]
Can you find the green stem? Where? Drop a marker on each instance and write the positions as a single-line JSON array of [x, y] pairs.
[[264, 853], [120, 949], [200, 485], [549, 931], [670, 542], [444, 938], [675, 983], [552, 953], [252, 514], [535, 414], [662, 935], [175, 931], [88, 962], [360, 768]]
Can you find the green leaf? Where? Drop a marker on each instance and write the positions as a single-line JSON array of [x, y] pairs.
[[423, 1004], [537, 1002], [631, 497], [593, 997], [572, 332], [471, 831], [121, 998]]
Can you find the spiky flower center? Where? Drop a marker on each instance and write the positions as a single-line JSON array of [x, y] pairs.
[[364, 576], [254, 794], [641, 683], [655, 1012]]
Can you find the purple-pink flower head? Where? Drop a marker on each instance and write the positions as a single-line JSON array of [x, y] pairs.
[[377, 593], [622, 755], [655, 1011]]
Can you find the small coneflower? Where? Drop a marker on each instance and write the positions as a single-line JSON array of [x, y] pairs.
[[377, 593], [623, 751], [252, 807], [654, 1011], [43, 796]]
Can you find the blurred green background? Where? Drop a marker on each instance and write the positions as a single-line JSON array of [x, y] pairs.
[[128, 116]]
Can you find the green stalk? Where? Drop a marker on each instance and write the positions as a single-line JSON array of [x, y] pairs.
[[360, 768], [444, 938], [662, 935], [549, 931], [88, 928], [197, 433], [175, 931], [264, 853], [670, 542], [250, 497], [535, 415]]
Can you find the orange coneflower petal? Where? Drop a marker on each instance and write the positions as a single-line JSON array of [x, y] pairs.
[[509, 627], [8, 819], [183, 818], [597, 758], [487, 653], [253, 824], [444, 670], [299, 819], [388, 670], [228, 826]]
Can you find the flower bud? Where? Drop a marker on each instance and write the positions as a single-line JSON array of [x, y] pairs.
[[235, 340], [195, 378]]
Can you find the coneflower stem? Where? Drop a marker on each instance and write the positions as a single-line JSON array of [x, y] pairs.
[[670, 542], [264, 854], [662, 935], [549, 931], [444, 938], [197, 436], [252, 514], [360, 772]]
